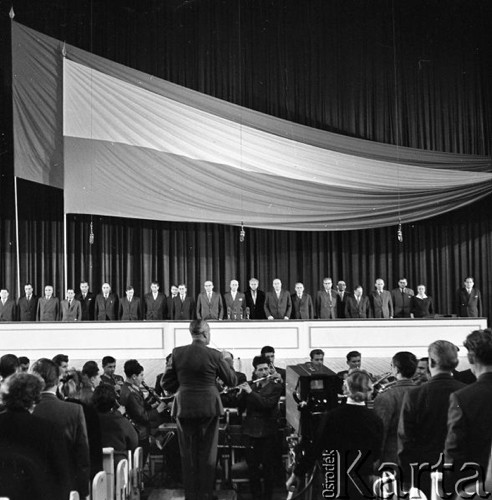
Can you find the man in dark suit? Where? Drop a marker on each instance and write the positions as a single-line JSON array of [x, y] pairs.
[[130, 307], [155, 303], [192, 376], [380, 300], [342, 297], [302, 304], [70, 422], [357, 305], [48, 306], [261, 428], [27, 304], [278, 304], [255, 300], [170, 300], [326, 301], [235, 302], [183, 305], [106, 307], [71, 309], [87, 301], [469, 436], [402, 299], [7, 306], [209, 304], [423, 420], [469, 300], [32, 437]]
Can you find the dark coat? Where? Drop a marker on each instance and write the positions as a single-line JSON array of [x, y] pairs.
[[27, 308], [402, 303], [70, 422], [302, 308], [354, 309], [155, 309], [87, 305], [106, 310], [280, 307], [235, 308], [184, 309], [256, 309], [48, 309], [8, 311], [469, 305], [72, 312], [342, 303], [194, 370], [326, 304], [381, 305], [130, 311]]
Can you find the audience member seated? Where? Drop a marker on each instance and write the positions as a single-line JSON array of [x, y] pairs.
[[116, 430], [422, 374], [387, 404], [33, 458], [70, 423], [9, 364], [349, 429], [90, 376], [24, 363], [316, 363], [354, 360], [78, 389]]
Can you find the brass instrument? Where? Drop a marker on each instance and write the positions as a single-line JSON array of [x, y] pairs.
[[382, 383]]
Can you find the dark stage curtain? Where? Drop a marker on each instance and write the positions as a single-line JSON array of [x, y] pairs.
[[413, 73]]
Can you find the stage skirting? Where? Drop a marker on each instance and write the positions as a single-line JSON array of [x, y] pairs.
[[291, 339]]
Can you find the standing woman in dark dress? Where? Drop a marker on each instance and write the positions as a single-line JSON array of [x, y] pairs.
[[349, 434], [421, 305]]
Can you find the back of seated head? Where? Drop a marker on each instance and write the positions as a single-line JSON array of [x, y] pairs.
[[60, 358], [443, 355], [108, 360], [132, 367], [260, 360], [358, 385], [22, 391], [479, 345], [267, 348], [23, 360], [72, 384], [199, 328], [316, 352], [48, 370], [406, 363], [104, 398], [90, 369], [353, 354], [9, 364]]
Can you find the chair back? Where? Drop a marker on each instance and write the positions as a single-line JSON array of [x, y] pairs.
[[99, 488], [121, 488], [137, 470], [108, 467]]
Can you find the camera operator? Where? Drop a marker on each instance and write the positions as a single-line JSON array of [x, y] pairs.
[[139, 409]]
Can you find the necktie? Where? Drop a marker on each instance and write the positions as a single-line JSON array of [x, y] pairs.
[[209, 296], [182, 298], [69, 303], [253, 294]]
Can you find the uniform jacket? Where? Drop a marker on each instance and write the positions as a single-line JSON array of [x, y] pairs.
[[70, 421], [278, 307], [381, 305], [106, 309], [155, 309], [87, 305], [402, 303], [27, 309], [235, 307], [256, 308], [192, 375], [262, 409], [48, 309], [133, 400], [326, 304], [354, 309], [72, 312], [469, 305], [130, 311], [8, 311], [302, 308], [184, 309], [213, 309]]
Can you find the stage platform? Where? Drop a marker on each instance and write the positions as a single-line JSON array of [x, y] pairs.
[[150, 342]]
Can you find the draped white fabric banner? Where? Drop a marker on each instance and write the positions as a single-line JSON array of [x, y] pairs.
[[135, 146]]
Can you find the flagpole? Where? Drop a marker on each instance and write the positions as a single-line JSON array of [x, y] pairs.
[[65, 251], [17, 251]]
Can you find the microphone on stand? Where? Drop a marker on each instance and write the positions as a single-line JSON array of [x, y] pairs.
[[247, 313], [228, 313]]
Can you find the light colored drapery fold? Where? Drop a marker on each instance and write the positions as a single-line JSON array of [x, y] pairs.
[[136, 146]]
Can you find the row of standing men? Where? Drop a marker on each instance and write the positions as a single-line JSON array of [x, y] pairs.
[[401, 302]]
